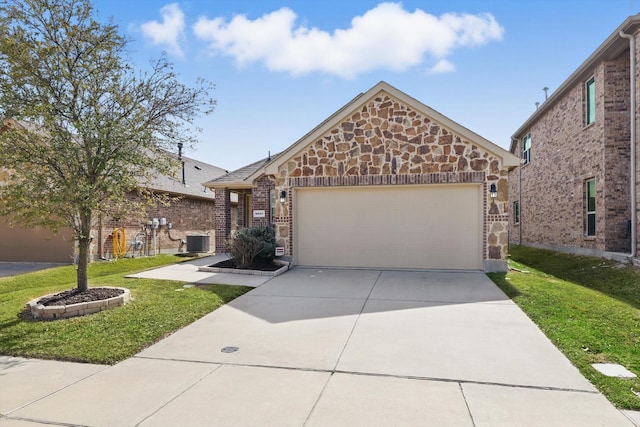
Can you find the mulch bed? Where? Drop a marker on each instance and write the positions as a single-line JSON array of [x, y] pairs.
[[258, 265], [74, 296]]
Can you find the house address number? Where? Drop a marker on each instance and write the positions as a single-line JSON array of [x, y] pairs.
[[259, 213]]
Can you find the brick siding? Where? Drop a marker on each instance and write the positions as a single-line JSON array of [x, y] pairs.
[[564, 154], [188, 216], [222, 218], [261, 201]]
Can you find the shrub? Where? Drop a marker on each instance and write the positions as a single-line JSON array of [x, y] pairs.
[[251, 245]]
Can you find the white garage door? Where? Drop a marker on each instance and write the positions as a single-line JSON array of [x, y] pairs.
[[417, 226]]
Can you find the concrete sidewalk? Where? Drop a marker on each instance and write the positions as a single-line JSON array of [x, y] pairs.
[[188, 272], [328, 348]]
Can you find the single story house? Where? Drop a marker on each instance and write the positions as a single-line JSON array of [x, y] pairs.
[[385, 182], [191, 212], [576, 190]]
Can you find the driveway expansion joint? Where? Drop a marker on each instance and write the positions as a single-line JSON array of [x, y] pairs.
[[466, 403], [355, 324], [43, 422], [177, 395]]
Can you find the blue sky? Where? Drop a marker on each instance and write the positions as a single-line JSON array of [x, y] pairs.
[[282, 67]]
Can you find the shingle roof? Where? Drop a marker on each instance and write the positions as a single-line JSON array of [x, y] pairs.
[[196, 174], [240, 176]]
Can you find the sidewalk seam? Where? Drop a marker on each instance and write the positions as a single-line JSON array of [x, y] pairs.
[[473, 422], [373, 374], [45, 422], [55, 391], [178, 395]]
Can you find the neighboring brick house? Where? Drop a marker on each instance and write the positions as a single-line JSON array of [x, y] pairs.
[[576, 190], [191, 212], [385, 182]]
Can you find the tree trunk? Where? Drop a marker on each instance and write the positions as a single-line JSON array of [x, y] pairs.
[[84, 242]]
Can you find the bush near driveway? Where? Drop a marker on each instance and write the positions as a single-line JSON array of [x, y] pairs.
[[588, 307], [252, 245], [109, 336]]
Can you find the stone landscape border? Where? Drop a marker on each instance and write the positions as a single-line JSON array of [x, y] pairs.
[[52, 312], [285, 267]]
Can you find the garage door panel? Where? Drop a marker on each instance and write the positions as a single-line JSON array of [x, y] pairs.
[[431, 226], [34, 244]]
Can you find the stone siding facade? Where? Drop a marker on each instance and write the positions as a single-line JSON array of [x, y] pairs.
[[388, 143], [565, 153]]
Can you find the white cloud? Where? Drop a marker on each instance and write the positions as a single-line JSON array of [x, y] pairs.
[[385, 37], [443, 66], [169, 32]]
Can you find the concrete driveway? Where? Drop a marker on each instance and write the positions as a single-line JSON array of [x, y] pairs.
[[331, 348]]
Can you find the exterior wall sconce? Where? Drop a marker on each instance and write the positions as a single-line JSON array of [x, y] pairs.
[[493, 191], [283, 196]]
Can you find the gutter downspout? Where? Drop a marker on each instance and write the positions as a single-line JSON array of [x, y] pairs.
[[634, 203]]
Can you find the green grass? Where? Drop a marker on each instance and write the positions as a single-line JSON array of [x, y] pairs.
[[109, 336], [588, 307]]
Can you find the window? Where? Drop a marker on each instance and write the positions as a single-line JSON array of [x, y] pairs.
[[516, 212], [526, 148], [590, 101], [590, 207], [272, 206]]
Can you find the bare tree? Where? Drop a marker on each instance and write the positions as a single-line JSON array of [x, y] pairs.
[[82, 127]]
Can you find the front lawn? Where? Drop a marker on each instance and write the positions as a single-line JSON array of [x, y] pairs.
[[588, 307], [110, 336]]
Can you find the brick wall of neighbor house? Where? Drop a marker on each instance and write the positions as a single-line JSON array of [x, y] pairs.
[[188, 217], [564, 154], [388, 143], [617, 99], [637, 208]]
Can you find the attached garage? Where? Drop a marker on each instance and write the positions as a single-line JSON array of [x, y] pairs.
[[407, 227], [35, 244], [385, 182]]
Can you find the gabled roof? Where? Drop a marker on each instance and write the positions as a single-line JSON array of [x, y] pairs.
[[509, 160], [610, 49], [244, 177]]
